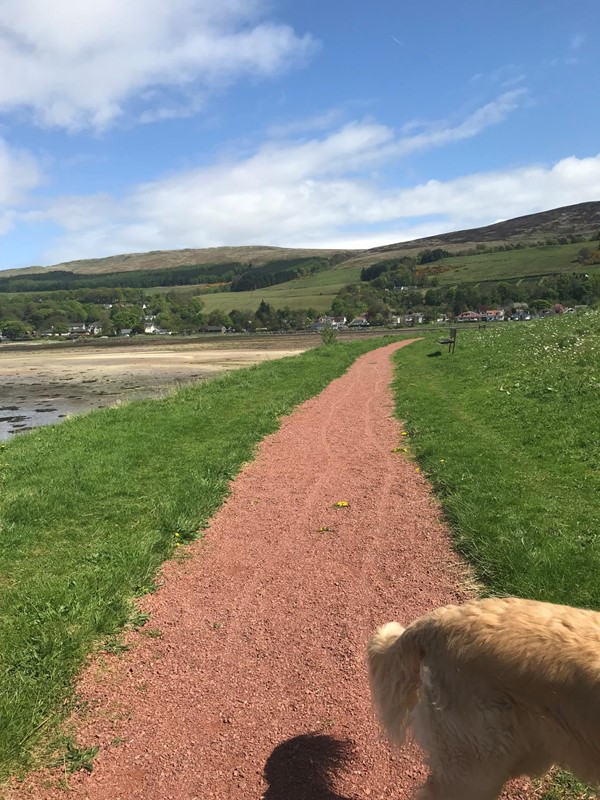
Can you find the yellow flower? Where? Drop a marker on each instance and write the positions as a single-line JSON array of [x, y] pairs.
[[404, 433], [341, 504], [177, 534], [417, 469]]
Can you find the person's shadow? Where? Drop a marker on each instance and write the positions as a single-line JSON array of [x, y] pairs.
[[304, 768]]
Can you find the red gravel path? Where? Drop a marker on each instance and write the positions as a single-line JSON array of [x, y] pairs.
[[257, 688]]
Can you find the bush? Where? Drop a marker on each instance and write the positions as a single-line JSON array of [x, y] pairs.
[[329, 334]]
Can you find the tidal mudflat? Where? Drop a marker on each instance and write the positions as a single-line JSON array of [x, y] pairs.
[[43, 386]]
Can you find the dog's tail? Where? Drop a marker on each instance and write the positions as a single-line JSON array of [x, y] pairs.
[[394, 662]]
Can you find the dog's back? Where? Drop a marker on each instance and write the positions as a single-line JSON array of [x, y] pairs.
[[524, 670]]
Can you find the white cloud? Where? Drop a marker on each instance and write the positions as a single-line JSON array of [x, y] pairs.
[[438, 135], [317, 192], [19, 172], [77, 64]]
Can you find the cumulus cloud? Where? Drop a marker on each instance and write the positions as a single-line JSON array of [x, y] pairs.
[[76, 64], [320, 191]]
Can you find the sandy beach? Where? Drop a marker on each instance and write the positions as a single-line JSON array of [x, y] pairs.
[[42, 386]]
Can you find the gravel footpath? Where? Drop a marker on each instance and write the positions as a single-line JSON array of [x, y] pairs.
[[256, 686]]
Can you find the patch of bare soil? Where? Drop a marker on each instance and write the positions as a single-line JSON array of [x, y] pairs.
[[250, 680]]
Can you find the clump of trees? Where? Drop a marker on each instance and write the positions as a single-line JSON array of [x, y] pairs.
[[275, 272], [390, 293], [24, 315], [113, 309]]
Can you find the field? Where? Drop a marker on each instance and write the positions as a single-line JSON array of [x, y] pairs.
[[514, 264], [506, 428], [314, 291]]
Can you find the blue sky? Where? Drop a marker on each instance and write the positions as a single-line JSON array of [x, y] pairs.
[[160, 124]]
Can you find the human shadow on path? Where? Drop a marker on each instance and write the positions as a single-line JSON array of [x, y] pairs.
[[305, 767]]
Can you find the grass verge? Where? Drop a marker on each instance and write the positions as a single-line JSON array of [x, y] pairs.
[[506, 429], [90, 508]]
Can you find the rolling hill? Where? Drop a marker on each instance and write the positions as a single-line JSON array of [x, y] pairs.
[[545, 241]]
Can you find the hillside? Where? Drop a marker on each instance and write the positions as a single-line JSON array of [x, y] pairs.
[[166, 259], [583, 219], [529, 248]]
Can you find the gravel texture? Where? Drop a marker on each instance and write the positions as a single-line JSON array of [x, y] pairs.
[[256, 685]]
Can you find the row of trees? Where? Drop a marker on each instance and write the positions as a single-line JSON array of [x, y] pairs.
[[20, 315], [179, 312], [378, 302], [63, 280], [265, 318]]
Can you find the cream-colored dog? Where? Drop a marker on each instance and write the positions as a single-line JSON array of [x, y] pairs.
[[492, 689]]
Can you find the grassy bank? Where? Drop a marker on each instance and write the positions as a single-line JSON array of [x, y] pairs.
[[507, 431], [90, 508]]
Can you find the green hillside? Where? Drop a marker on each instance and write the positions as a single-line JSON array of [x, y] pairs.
[[169, 259], [514, 264], [525, 248], [314, 291]]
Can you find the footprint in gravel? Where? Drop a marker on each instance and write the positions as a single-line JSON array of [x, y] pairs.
[[306, 767]]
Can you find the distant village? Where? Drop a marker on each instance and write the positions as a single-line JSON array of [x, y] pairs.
[[149, 325]]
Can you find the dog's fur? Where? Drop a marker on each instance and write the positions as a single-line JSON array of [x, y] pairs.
[[492, 689]]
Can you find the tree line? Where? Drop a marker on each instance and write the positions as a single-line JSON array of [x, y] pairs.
[[58, 280], [236, 275]]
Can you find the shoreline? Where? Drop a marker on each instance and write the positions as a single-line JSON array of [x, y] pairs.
[[42, 387]]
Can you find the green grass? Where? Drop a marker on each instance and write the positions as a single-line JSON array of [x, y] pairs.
[[314, 291], [562, 786], [91, 507], [506, 429], [514, 264]]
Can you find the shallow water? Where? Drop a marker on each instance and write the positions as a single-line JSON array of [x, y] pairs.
[[24, 406], [23, 411]]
